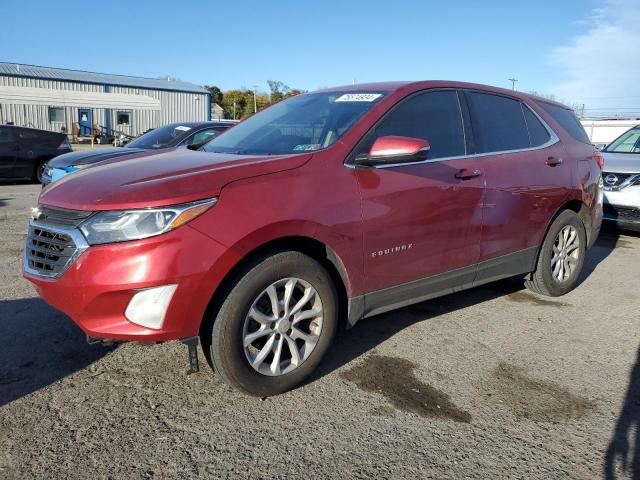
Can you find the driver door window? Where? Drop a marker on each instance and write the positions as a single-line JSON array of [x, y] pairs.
[[432, 116]]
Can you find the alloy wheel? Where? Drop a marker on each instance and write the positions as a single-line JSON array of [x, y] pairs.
[[565, 256], [282, 327]]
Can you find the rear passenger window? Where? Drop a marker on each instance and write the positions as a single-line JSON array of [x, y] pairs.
[[432, 116], [29, 135], [5, 135], [498, 123], [567, 121], [537, 131]]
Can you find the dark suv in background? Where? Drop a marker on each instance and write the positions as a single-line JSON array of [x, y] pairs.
[[25, 151]]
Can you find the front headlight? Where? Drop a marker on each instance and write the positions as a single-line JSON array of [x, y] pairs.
[[113, 226]]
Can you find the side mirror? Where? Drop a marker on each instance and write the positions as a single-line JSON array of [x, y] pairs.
[[392, 149], [196, 146]]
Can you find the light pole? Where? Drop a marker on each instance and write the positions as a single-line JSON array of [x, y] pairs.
[[255, 100]]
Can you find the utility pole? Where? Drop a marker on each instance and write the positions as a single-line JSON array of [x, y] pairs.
[[255, 99], [234, 108], [513, 81]]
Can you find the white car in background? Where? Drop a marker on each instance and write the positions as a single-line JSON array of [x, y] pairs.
[[621, 179]]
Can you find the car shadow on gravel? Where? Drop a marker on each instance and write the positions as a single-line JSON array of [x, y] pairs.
[[367, 334], [371, 332], [609, 239], [38, 346], [620, 453]]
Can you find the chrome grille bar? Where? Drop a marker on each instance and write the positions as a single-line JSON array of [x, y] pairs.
[[50, 250]]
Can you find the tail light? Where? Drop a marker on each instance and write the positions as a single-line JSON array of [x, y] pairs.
[[65, 145], [599, 160]]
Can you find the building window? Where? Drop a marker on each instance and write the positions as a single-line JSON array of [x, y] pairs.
[[123, 119], [56, 114]]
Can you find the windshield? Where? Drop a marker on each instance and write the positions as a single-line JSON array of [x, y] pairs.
[[628, 142], [299, 124], [162, 137]]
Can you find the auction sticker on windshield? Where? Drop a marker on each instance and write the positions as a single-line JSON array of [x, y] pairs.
[[182, 128], [358, 97]]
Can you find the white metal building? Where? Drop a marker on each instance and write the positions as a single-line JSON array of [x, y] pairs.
[[606, 131], [50, 98]]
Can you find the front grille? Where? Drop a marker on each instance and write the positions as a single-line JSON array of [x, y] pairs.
[[621, 213], [48, 252], [61, 216], [614, 180]]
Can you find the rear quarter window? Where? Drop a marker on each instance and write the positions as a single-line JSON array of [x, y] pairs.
[[567, 120], [537, 131], [498, 123]]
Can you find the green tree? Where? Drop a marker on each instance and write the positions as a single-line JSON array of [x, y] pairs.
[[278, 90], [216, 94], [233, 103]]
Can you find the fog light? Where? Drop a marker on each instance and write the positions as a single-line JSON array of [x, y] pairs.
[[148, 307]]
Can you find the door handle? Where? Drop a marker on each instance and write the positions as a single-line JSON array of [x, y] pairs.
[[554, 162], [466, 174]]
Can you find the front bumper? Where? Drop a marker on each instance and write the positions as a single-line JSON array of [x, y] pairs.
[[622, 207], [98, 286]]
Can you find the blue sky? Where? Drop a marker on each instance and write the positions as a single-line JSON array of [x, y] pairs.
[[310, 44]]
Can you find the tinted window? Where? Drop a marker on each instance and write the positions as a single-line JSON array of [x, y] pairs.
[[432, 116], [30, 135], [6, 135], [498, 123], [567, 121], [537, 132]]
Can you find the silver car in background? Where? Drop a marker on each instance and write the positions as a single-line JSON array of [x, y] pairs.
[[621, 179]]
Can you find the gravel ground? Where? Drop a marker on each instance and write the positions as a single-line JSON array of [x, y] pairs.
[[490, 383]]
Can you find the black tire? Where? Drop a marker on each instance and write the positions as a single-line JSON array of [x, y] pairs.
[[224, 340], [40, 170], [542, 278]]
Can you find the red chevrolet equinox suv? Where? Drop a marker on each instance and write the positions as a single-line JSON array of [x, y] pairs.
[[339, 204]]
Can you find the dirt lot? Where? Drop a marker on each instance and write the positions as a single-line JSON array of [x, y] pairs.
[[490, 383]]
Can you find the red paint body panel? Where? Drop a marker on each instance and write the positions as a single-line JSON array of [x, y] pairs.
[[435, 216], [365, 216], [96, 289], [177, 176]]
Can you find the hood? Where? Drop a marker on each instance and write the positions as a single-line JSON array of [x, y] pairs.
[[621, 162], [169, 178], [86, 157]]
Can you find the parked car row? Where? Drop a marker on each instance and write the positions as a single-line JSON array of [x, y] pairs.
[[329, 206], [193, 134], [27, 153]]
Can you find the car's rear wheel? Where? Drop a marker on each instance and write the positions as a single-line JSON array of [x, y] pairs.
[[561, 257], [275, 325], [40, 170]]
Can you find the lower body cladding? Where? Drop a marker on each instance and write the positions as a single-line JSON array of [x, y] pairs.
[[622, 207], [150, 290]]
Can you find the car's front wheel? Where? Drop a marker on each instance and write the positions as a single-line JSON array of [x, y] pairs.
[[561, 257], [275, 325]]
